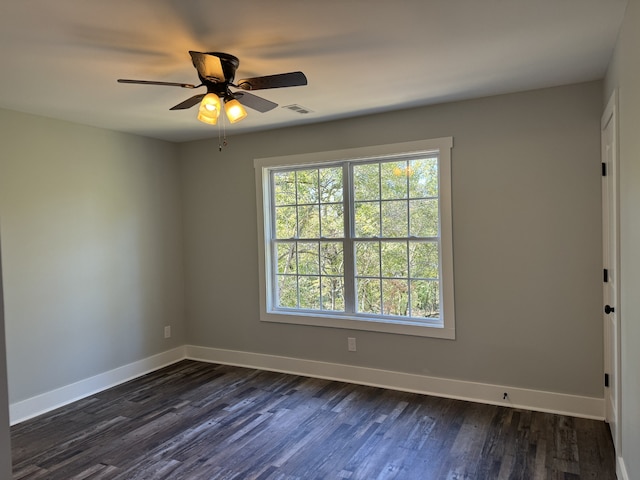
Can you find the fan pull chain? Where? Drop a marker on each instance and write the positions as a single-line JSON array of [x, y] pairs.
[[222, 143], [224, 133]]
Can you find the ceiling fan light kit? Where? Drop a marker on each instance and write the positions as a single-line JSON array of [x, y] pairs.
[[209, 110], [234, 110], [217, 71], [208, 119]]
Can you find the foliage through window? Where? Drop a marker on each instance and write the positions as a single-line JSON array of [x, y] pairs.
[[357, 239]]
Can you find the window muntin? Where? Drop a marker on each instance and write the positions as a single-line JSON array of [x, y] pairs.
[[309, 214], [396, 225], [393, 238], [359, 241]]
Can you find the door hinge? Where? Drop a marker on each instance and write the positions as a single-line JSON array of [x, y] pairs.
[[606, 275], [606, 380], [604, 169]]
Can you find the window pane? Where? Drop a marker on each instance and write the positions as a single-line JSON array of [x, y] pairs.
[[368, 295], [287, 291], [332, 217], [366, 180], [309, 292], [424, 218], [285, 222], [425, 298], [333, 293], [423, 259], [307, 182], [331, 185], [286, 260], [423, 178], [367, 219], [395, 297], [367, 259], [309, 221], [393, 180], [394, 219], [285, 188], [308, 258], [332, 258], [394, 259]]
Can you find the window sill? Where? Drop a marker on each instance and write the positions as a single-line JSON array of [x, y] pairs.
[[399, 327]]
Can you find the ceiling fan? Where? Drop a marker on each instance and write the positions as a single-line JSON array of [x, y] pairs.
[[217, 73]]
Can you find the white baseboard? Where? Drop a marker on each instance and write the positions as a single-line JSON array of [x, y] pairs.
[[560, 403], [34, 406], [621, 469]]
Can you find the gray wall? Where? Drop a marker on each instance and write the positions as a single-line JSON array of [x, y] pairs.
[[5, 439], [92, 234], [624, 74], [92, 250], [527, 242]]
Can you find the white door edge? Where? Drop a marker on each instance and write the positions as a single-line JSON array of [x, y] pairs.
[[611, 262]]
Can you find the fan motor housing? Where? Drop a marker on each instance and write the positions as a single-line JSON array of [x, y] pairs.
[[229, 63]]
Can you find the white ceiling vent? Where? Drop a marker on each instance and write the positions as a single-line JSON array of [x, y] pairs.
[[298, 109]]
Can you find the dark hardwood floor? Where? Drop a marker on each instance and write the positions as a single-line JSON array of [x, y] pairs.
[[196, 420]]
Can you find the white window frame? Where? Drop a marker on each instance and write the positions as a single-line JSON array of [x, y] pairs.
[[445, 327]]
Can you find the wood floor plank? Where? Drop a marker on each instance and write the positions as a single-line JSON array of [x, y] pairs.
[[199, 421]]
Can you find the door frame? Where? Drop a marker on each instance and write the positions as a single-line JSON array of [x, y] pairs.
[[611, 239]]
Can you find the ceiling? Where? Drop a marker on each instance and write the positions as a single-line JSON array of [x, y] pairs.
[[61, 58]]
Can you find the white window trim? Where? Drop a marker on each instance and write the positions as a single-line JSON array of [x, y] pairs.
[[404, 327]]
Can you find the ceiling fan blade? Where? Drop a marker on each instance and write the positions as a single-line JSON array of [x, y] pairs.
[[209, 66], [189, 102], [151, 82], [292, 79], [253, 101]]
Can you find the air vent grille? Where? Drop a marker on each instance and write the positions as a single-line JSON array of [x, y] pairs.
[[298, 109]]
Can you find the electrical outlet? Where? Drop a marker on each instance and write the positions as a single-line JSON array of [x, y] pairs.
[[351, 344], [167, 331]]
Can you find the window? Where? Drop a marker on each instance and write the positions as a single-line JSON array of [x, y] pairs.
[[358, 238]]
